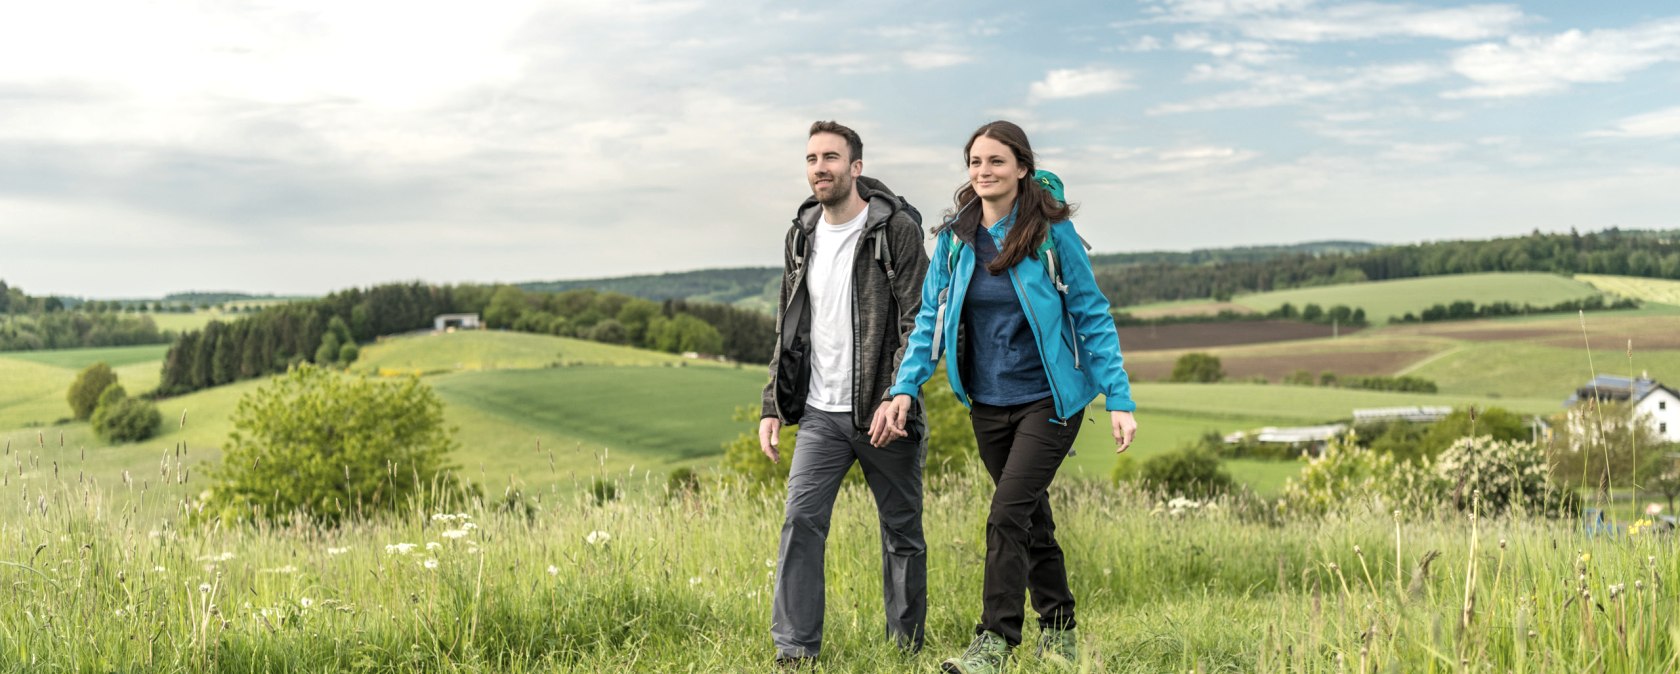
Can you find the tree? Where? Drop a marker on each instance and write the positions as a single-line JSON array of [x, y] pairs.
[[327, 354], [84, 392], [330, 447], [1198, 367], [119, 418]]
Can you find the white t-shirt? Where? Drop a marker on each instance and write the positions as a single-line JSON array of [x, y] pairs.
[[828, 279]]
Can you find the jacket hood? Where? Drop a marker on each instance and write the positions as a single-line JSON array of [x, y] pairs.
[[883, 203]]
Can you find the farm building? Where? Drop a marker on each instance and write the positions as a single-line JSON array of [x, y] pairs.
[[457, 321], [1416, 413], [1658, 404], [1311, 438]]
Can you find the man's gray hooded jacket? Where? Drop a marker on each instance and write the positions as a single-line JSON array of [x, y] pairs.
[[887, 273]]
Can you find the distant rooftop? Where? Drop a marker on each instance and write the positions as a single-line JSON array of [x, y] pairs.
[[1609, 387]]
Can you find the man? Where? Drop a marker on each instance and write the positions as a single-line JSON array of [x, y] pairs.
[[851, 286]]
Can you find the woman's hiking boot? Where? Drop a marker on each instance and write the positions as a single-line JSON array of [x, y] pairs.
[[985, 655], [1058, 646]]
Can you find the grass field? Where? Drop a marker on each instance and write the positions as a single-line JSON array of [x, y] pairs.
[[475, 350], [1382, 299], [76, 359], [652, 584], [34, 384], [1646, 289]]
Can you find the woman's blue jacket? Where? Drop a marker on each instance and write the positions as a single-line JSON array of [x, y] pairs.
[[1074, 330]]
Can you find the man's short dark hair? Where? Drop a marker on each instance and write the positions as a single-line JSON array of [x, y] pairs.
[[853, 143]]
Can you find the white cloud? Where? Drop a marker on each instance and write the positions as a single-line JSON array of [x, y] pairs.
[[935, 58], [1268, 88], [1369, 20], [1241, 51], [1224, 10], [1076, 83], [1530, 65], [1659, 124]]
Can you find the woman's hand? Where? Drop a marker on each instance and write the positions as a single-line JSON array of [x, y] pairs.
[[1125, 429], [888, 424]]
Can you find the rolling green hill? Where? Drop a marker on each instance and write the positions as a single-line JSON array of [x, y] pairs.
[[1384, 299], [473, 350], [1646, 289]]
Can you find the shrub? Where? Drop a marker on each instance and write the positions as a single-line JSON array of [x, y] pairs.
[[330, 447], [348, 353], [603, 491], [84, 392], [1495, 476], [1198, 367], [1345, 475], [1190, 472], [119, 418], [682, 483]]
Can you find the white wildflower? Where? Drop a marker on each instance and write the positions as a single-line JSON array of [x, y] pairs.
[[400, 548], [203, 588], [430, 563], [696, 580], [553, 570], [453, 534], [598, 538], [338, 551], [433, 545], [306, 602]]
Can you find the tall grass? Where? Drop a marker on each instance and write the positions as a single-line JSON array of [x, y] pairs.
[[682, 584]]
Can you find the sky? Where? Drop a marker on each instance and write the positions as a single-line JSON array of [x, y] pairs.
[[305, 146]]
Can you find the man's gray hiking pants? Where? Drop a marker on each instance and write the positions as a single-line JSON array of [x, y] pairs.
[[827, 446]]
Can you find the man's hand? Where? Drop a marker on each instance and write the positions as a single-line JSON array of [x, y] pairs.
[[1125, 429], [888, 424], [770, 435]]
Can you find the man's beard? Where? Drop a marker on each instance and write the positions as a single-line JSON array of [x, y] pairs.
[[839, 191]]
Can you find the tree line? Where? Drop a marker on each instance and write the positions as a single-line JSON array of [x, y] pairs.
[[1651, 254], [33, 323], [325, 331]]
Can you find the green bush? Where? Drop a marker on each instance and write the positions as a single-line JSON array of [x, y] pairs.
[[1198, 367], [603, 491], [84, 392], [1190, 472], [330, 447], [119, 418], [682, 483], [1346, 475]]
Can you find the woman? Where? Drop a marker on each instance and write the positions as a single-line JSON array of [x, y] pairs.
[[1031, 350]]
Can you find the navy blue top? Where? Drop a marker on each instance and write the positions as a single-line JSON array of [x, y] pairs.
[[1001, 361]]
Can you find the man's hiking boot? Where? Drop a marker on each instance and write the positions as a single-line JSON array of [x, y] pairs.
[[1058, 646], [985, 655], [791, 663]]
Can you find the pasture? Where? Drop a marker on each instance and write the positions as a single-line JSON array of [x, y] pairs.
[[1640, 288], [1383, 299]]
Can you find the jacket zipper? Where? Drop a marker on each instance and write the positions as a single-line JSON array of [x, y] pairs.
[[1032, 319]]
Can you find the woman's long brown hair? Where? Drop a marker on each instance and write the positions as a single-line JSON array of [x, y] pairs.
[[1036, 208]]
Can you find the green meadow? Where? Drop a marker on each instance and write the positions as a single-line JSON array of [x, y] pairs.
[[1383, 299]]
